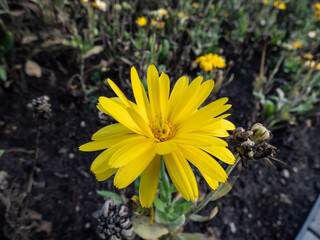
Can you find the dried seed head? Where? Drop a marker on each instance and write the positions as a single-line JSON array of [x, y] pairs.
[[42, 107], [251, 144], [260, 133], [114, 222]]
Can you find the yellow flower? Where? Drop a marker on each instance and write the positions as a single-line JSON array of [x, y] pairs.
[[265, 2], [157, 24], [308, 56], [162, 12], [210, 61], [280, 4], [195, 5], [297, 44], [100, 5], [311, 64], [141, 21], [312, 34], [183, 16], [316, 6], [171, 126]]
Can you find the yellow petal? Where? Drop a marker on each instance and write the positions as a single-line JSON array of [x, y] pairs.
[[178, 90], [198, 97], [204, 162], [104, 143], [181, 175], [101, 163], [199, 140], [164, 95], [153, 89], [119, 93], [165, 147], [222, 153], [149, 182], [110, 131], [106, 174], [130, 152], [214, 184], [186, 98], [120, 114], [140, 95], [131, 171]]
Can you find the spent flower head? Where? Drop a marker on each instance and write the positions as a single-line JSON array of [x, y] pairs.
[[297, 44], [210, 61], [160, 124]]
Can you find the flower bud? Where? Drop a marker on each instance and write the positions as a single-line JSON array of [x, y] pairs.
[[260, 133]]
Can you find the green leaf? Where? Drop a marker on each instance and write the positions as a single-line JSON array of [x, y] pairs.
[[170, 219], [182, 206], [161, 206], [3, 74], [116, 197], [1, 152], [4, 5], [302, 108], [192, 236], [142, 227], [269, 108], [199, 218], [224, 188]]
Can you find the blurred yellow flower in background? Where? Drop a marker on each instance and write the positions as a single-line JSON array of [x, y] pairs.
[[297, 44], [210, 61], [183, 16], [162, 124], [308, 56], [141, 21], [195, 5], [280, 4], [316, 7], [157, 24], [162, 12], [312, 64]]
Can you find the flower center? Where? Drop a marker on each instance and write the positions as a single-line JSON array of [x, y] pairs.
[[162, 130]]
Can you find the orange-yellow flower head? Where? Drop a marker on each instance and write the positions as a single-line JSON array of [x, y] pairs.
[[162, 124], [141, 21], [280, 4], [211, 61], [297, 44]]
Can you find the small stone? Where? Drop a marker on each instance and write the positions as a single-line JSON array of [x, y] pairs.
[[295, 169], [233, 228], [14, 127], [77, 208], [286, 173], [250, 215], [87, 225], [83, 124], [71, 155]]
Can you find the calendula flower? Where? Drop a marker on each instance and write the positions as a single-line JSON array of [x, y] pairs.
[[280, 4], [211, 61], [162, 12], [312, 64], [297, 44], [316, 8], [141, 21], [183, 16], [195, 5], [157, 24], [312, 34], [100, 5], [308, 56], [162, 124]]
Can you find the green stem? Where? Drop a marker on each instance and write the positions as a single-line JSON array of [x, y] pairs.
[[208, 198], [166, 183]]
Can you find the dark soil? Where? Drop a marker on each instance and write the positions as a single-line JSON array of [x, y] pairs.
[[264, 203]]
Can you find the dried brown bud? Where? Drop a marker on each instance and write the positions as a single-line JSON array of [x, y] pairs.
[[42, 107], [114, 222]]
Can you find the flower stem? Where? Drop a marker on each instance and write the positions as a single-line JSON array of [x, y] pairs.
[[208, 198], [164, 181]]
